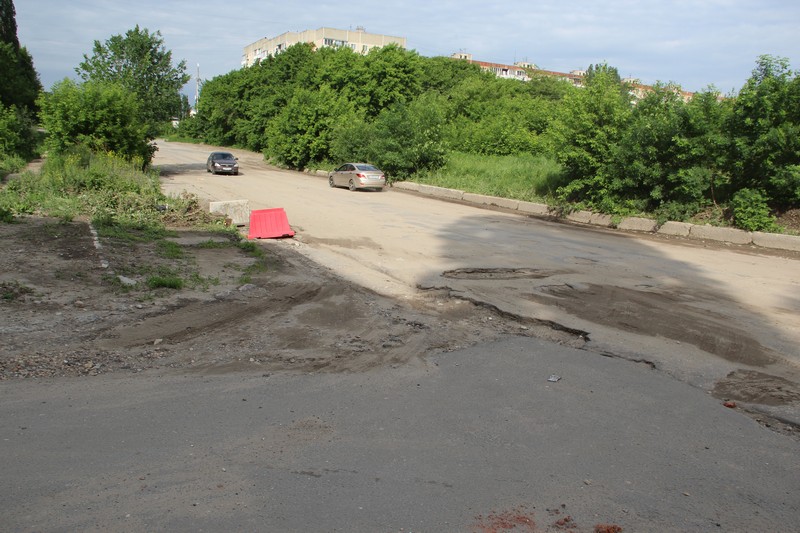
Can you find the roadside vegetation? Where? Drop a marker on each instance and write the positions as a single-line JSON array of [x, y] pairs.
[[725, 159]]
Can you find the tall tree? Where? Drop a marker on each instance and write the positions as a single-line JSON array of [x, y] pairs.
[[140, 63], [19, 82], [8, 23], [765, 125]]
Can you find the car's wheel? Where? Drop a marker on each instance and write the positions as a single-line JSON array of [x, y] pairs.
[[208, 169], [352, 185], [236, 173], [330, 182]]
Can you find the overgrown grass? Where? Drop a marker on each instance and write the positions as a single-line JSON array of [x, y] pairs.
[[522, 177], [10, 163], [107, 189]]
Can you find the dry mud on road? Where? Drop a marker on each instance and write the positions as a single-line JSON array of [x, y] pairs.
[[64, 311]]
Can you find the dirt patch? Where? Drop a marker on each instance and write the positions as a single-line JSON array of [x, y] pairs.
[[77, 304], [790, 220]]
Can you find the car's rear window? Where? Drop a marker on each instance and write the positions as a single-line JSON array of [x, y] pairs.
[[366, 167]]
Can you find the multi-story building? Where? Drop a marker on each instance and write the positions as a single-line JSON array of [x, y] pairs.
[[523, 72], [357, 40]]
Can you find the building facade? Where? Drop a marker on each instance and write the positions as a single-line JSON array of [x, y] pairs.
[[357, 40], [523, 71]]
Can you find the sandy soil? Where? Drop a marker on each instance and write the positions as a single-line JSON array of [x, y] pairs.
[[65, 312]]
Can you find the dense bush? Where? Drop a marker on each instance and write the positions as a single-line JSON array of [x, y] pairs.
[[17, 139], [102, 116], [751, 212]]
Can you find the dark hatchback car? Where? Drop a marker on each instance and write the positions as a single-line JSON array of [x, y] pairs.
[[222, 163]]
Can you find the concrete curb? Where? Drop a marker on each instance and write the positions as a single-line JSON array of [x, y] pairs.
[[774, 241]]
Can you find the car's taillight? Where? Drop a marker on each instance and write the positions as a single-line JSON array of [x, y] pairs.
[[362, 176]]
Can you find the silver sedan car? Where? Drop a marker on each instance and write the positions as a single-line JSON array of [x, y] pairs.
[[356, 176]]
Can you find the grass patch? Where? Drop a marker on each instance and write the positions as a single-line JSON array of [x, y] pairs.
[[169, 249], [522, 177], [165, 282], [11, 290]]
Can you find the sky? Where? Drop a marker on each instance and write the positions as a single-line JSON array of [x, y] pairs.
[[694, 43]]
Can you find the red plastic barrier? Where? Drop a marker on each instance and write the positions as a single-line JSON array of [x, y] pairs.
[[269, 224]]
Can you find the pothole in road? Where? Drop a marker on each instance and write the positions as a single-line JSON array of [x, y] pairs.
[[757, 387], [657, 314], [498, 273]]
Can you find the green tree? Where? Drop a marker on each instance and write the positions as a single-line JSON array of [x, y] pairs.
[[301, 133], [585, 133], [97, 114], [8, 23], [765, 123], [19, 82], [139, 62], [442, 74], [391, 75], [408, 137]]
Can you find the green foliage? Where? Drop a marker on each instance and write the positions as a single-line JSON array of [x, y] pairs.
[[588, 128], [101, 186], [523, 177], [442, 74], [592, 146], [8, 23], [99, 115], [139, 62], [165, 282], [17, 139], [169, 249], [391, 75], [751, 212], [765, 124], [407, 138], [497, 117], [302, 132], [19, 84]]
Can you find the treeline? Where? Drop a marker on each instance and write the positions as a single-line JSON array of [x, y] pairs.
[[19, 88], [411, 115]]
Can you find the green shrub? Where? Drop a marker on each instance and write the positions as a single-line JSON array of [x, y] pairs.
[[750, 211]]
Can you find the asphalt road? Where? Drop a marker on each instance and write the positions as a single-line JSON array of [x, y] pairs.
[[474, 440], [477, 439]]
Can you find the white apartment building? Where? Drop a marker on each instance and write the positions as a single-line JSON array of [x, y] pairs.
[[357, 40]]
